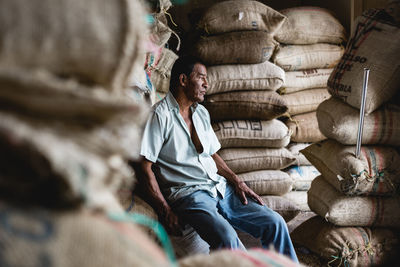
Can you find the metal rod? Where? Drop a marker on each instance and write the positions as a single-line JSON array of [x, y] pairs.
[[362, 112]]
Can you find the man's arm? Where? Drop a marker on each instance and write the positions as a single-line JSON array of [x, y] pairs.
[[240, 186], [161, 206]]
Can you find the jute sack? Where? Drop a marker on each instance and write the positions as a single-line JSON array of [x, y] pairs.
[[161, 74], [160, 32], [295, 148], [339, 121], [376, 172], [268, 182], [246, 47], [262, 76], [239, 258], [343, 210], [351, 246], [91, 47], [73, 238], [252, 133], [310, 25], [375, 45], [306, 100], [302, 57], [73, 148], [242, 105], [302, 176], [242, 160], [299, 198], [231, 16], [304, 128], [286, 208], [305, 79]]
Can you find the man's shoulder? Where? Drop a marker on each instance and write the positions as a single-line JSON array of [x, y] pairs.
[[161, 108]]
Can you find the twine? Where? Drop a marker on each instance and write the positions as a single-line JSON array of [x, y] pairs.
[[345, 256]]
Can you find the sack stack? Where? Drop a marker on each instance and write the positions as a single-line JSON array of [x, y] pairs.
[[151, 82], [358, 197], [310, 46]]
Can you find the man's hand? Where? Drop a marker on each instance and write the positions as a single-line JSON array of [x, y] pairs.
[[243, 190], [170, 222]]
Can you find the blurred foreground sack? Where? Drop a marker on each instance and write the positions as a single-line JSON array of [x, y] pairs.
[[92, 41]]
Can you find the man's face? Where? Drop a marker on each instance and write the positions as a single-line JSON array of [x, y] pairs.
[[197, 83]]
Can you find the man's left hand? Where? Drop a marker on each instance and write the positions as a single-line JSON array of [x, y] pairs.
[[243, 190]]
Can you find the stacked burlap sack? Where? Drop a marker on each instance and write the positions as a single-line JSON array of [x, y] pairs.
[[358, 197]]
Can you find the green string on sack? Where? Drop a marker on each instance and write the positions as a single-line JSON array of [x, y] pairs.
[[157, 228]]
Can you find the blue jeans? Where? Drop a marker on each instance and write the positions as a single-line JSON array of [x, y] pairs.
[[214, 219]]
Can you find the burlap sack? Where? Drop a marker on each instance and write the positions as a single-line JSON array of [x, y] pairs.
[[242, 105], [339, 121], [248, 240], [343, 210], [310, 25], [302, 57], [304, 128], [72, 149], [246, 47], [95, 42], [376, 172], [302, 176], [375, 45], [348, 246], [306, 100], [160, 32], [242, 160], [161, 74], [255, 133], [295, 148], [231, 16], [75, 238], [305, 79], [286, 208], [268, 182], [262, 76], [299, 198], [239, 258]]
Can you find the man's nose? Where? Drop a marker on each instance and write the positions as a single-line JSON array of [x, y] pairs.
[[205, 84]]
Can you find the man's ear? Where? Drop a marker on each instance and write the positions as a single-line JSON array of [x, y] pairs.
[[182, 79]]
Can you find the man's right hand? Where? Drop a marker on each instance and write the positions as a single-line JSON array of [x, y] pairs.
[[170, 222]]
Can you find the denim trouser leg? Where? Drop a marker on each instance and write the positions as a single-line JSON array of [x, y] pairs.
[[259, 221], [199, 210], [214, 219]]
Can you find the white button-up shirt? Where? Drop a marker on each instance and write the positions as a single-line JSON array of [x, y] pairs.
[[179, 168]]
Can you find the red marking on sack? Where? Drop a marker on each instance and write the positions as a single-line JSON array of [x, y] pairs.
[[250, 258]]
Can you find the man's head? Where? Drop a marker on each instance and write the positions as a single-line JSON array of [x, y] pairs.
[[189, 74]]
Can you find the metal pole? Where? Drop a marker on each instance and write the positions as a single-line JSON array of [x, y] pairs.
[[362, 112]]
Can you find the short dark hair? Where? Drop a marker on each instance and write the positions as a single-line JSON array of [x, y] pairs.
[[183, 65]]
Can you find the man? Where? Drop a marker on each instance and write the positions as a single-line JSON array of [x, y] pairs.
[[187, 179]]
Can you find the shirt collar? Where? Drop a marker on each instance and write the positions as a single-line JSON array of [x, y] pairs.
[[173, 104]]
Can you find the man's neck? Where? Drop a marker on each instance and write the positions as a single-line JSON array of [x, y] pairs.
[[183, 102]]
